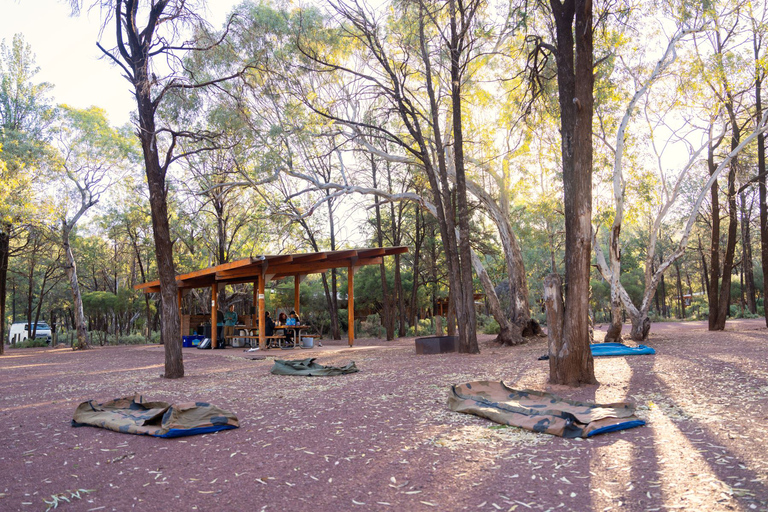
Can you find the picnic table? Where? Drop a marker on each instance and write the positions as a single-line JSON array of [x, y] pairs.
[[276, 340]]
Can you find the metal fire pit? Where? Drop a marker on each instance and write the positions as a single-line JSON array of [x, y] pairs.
[[436, 344]]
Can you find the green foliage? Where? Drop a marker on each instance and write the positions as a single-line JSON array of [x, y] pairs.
[[102, 338], [487, 324], [30, 343], [370, 328]]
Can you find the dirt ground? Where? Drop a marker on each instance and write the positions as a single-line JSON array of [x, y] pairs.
[[383, 439]]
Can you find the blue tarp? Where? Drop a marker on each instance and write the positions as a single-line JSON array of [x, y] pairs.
[[619, 349], [613, 349]]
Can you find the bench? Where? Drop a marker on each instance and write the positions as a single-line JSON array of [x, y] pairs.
[[241, 337]]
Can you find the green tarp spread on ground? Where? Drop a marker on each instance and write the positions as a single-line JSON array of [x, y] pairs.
[[135, 415], [539, 411], [310, 368]]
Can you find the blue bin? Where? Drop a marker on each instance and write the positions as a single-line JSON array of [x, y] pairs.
[[191, 341]]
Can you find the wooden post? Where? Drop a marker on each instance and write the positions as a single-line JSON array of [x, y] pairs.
[[351, 304], [296, 299], [262, 316], [255, 312], [214, 310], [179, 296]]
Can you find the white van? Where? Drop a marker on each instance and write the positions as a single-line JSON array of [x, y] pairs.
[[19, 333]]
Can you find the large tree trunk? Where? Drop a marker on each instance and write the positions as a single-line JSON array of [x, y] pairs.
[[761, 180], [520, 311], [713, 296], [724, 298], [441, 190], [464, 299], [614, 330], [571, 358], [170, 323], [509, 333], [746, 256], [77, 300]]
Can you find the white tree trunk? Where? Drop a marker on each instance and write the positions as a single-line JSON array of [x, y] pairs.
[[77, 300]]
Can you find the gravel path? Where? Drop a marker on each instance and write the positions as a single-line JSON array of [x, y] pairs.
[[382, 439]]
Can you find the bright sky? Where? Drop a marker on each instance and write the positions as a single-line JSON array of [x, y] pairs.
[[67, 55]]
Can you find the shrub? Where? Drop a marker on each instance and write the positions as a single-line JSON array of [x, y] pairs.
[[426, 327], [30, 343], [487, 324]]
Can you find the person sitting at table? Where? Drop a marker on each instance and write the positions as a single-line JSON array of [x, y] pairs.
[[290, 334], [230, 320], [269, 325], [219, 328], [282, 318]]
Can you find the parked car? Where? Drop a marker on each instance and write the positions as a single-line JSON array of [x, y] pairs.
[[19, 333]]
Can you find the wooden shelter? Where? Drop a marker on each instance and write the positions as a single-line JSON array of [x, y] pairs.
[[260, 269]]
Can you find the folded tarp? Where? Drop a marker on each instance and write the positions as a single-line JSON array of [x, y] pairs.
[[134, 415], [310, 368], [539, 411], [613, 349]]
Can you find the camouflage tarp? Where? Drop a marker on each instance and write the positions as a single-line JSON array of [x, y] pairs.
[[134, 415], [539, 411], [309, 367]]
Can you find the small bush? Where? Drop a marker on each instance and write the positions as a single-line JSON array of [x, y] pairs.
[[370, 328], [132, 339], [426, 327], [487, 324], [30, 343], [492, 327]]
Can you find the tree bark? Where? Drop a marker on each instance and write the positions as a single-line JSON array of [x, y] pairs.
[[418, 239], [614, 330], [724, 298], [680, 299], [386, 320], [77, 300], [746, 256], [572, 356], [465, 303], [5, 238], [761, 173]]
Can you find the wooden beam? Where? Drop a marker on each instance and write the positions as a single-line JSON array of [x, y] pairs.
[[312, 256], [340, 255], [217, 268], [395, 250], [351, 304], [319, 266], [250, 269], [369, 253], [326, 266]]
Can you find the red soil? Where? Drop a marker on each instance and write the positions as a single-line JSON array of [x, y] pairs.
[[382, 439]]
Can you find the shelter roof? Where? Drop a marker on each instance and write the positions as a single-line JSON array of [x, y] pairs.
[[278, 266]]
